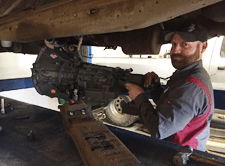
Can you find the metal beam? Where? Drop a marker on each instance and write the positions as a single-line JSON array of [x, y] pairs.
[[75, 17], [96, 144], [14, 84]]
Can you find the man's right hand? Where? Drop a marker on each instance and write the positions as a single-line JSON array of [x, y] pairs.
[[150, 78]]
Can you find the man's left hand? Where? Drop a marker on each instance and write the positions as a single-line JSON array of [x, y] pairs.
[[134, 90]]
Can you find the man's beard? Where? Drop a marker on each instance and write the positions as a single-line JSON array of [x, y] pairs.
[[184, 60]]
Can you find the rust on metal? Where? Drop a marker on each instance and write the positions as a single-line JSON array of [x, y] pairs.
[[206, 160], [97, 145], [73, 17]]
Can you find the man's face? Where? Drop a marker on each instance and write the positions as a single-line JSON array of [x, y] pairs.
[[184, 53]]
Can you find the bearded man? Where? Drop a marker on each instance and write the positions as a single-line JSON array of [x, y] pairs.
[[185, 107]]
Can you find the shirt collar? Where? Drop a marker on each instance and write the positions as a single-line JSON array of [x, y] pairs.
[[183, 71]]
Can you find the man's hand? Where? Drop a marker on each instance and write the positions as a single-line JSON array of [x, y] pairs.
[[150, 78], [133, 90]]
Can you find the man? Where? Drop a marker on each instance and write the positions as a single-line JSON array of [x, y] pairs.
[[185, 108]]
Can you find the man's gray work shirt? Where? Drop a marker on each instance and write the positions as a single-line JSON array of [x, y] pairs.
[[184, 109]]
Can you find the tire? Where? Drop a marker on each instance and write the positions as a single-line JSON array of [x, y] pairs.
[[114, 113]]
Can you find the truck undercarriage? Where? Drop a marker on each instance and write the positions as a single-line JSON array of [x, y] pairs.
[[136, 26]]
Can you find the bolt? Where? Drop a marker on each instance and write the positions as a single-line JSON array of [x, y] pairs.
[[93, 11], [70, 48], [182, 156], [83, 112]]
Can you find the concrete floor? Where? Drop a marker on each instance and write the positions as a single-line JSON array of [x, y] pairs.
[[53, 147]]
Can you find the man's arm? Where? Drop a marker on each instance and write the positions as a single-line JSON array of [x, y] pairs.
[[174, 112], [152, 82]]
